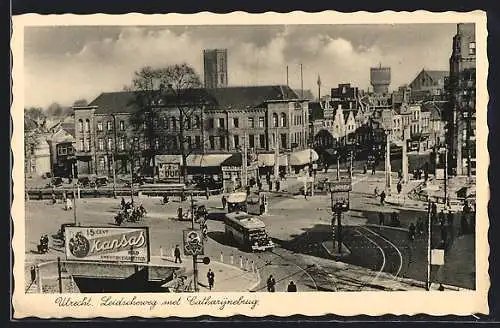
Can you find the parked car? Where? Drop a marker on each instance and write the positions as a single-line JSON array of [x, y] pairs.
[[56, 182], [101, 181], [84, 182]]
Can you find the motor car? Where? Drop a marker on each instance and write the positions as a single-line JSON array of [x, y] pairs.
[[84, 181], [101, 181], [56, 182]]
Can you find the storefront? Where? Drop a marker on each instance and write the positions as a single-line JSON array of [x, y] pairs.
[[232, 173], [266, 163], [299, 159], [205, 164]]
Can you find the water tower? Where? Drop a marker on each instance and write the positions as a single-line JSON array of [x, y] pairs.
[[380, 78]]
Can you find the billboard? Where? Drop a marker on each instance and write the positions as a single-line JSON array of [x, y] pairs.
[[107, 244], [169, 171]]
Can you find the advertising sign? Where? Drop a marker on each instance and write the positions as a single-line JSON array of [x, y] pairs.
[[439, 174], [193, 242], [437, 257], [169, 171], [340, 201], [340, 186], [105, 244]]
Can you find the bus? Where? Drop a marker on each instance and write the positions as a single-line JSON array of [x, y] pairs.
[[248, 231], [255, 203]]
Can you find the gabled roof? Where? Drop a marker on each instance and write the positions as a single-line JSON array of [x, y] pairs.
[[434, 75], [307, 94], [222, 98]]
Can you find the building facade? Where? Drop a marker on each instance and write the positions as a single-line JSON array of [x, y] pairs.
[[428, 85], [227, 121], [215, 68], [380, 79]]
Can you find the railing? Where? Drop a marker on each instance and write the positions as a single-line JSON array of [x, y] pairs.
[[46, 193]]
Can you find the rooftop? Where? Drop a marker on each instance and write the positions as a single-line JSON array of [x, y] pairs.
[[240, 97]]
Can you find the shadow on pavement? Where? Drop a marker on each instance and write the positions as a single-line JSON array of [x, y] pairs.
[[216, 216], [221, 238]]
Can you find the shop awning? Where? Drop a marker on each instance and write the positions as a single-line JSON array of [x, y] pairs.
[[268, 160], [170, 159], [303, 157], [206, 160], [234, 160]]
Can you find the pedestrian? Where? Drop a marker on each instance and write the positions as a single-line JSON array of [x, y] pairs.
[[271, 284], [399, 187], [122, 203], [375, 192], [382, 197], [364, 168], [259, 185], [450, 218], [165, 199], [211, 279], [411, 232], [224, 202], [248, 190], [433, 211], [381, 218], [373, 169], [420, 226], [177, 254], [54, 200], [207, 193], [291, 287], [270, 183], [33, 273], [277, 185], [441, 218]]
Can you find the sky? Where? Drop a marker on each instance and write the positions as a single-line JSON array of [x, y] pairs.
[[67, 63]]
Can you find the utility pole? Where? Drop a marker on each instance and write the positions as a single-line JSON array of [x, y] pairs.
[[195, 262], [429, 238], [350, 167], [445, 176], [276, 155], [245, 161], [388, 163], [338, 167], [74, 192], [114, 156]]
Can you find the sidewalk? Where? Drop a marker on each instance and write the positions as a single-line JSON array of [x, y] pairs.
[[228, 278]]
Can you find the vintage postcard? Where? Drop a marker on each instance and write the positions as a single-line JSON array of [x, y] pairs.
[[209, 164]]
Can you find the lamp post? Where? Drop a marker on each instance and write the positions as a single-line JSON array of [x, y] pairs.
[[388, 162], [113, 155]]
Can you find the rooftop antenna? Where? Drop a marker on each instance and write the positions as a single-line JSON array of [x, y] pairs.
[[287, 75], [301, 83]]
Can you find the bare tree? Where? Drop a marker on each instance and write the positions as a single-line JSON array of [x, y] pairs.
[[183, 91], [147, 92]]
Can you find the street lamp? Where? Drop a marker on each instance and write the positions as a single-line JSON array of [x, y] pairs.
[[388, 162]]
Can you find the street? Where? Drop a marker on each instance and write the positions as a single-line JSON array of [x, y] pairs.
[[299, 227]]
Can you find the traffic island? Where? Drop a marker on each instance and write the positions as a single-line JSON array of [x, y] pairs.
[[332, 249]]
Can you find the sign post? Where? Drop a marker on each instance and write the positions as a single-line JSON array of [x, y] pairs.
[[339, 191], [193, 246]]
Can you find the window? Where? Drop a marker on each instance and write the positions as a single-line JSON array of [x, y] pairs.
[[144, 126], [174, 123], [251, 141], [87, 144], [344, 89], [155, 123], [99, 126], [87, 125], [122, 125], [110, 144], [102, 163], [211, 140], [472, 48], [283, 119], [188, 123], [222, 141], [236, 139], [109, 125], [100, 144], [262, 141], [251, 123], [236, 122], [221, 122], [196, 122], [123, 141], [211, 123], [283, 140], [261, 122], [80, 127], [157, 143], [189, 143], [275, 120], [197, 141], [222, 79]]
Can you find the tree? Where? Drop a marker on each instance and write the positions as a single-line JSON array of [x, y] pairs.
[[54, 110], [183, 91], [146, 91]]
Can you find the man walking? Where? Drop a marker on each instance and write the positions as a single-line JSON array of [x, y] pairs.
[[271, 284], [400, 187], [224, 202], [211, 279], [177, 254], [382, 197]]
